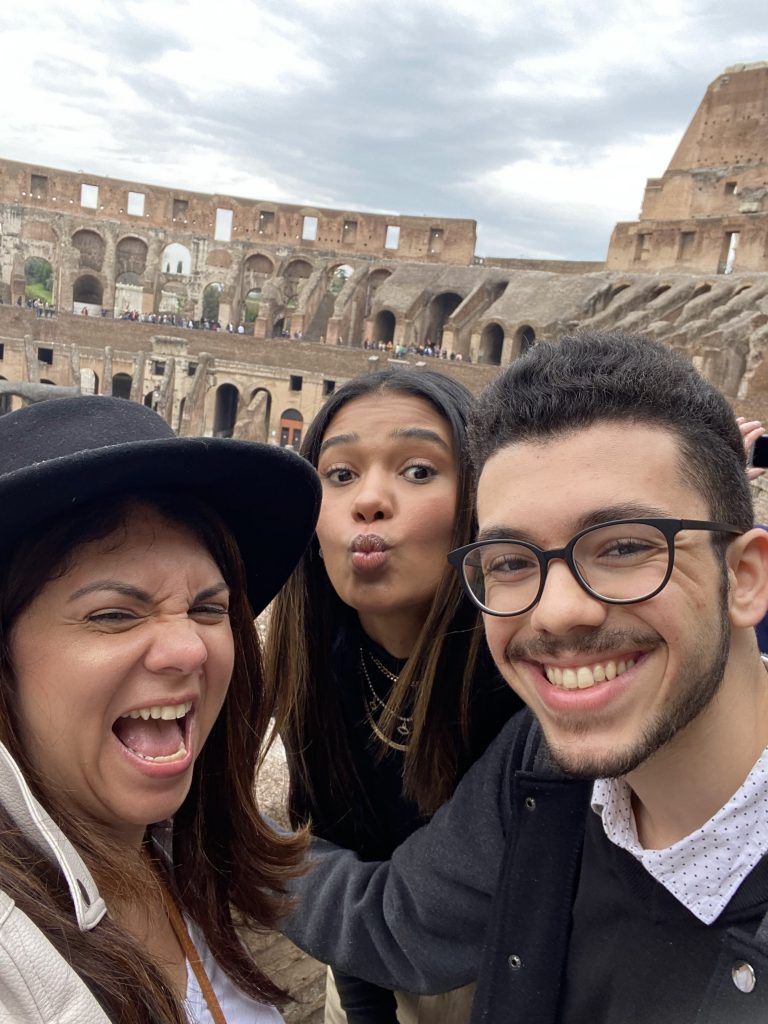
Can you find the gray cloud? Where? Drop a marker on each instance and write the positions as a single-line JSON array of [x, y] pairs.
[[408, 114]]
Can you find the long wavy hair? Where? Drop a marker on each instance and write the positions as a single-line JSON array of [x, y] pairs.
[[307, 615], [225, 857]]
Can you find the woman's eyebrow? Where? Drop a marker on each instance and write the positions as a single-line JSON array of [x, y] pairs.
[[421, 434], [116, 587], [330, 442], [216, 589]]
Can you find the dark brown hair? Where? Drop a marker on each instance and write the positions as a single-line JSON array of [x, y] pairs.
[[224, 854], [307, 614]]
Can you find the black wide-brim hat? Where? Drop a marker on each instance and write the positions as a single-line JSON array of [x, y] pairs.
[[64, 452]]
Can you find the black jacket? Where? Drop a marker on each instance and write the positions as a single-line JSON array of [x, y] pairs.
[[485, 892]]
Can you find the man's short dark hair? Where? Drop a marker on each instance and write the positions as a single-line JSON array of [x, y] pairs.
[[558, 388]]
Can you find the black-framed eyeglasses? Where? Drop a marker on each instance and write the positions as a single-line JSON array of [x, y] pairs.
[[624, 561]]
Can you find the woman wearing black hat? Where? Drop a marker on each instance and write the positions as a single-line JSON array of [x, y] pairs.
[[132, 563]]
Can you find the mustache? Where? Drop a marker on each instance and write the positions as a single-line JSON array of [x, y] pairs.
[[599, 642]]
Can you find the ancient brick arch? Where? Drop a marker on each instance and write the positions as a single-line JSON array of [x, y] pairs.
[[131, 256], [258, 264], [176, 259], [87, 290], [373, 282], [298, 269], [91, 247], [384, 326], [491, 344], [440, 309]]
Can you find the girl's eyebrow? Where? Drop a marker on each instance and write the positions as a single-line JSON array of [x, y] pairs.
[[330, 442], [406, 433], [420, 434]]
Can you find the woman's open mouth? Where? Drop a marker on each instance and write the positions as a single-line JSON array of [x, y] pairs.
[[158, 733]]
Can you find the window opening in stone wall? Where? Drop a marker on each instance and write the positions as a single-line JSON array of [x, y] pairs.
[[223, 229], [211, 300], [135, 205], [2, 350], [39, 186], [309, 229], [329, 386], [121, 385], [260, 413], [730, 188], [180, 208], [158, 367], [642, 246], [87, 291], [491, 345], [225, 412], [89, 196], [340, 277], [435, 241], [251, 305], [527, 338], [392, 238], [349, 232], [45, 355], [296, 382], [176, 259], [266, 222], [384, 326], [38, 278], [441, 308], [728, 252], [191, 369], [687, 238]]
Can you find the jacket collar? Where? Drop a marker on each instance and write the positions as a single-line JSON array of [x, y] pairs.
[[36, 825]]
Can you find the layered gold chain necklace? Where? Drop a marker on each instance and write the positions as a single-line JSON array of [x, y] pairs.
[[377, 709]]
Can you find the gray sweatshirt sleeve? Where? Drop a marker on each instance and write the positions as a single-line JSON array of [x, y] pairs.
[[416, 922]]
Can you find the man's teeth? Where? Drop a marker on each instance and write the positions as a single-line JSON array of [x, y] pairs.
[[585, 676], [165, 711]]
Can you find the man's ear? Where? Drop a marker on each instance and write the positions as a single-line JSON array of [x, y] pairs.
[[748, 578]]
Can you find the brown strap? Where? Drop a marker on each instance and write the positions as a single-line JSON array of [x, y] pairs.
[[180, 928]]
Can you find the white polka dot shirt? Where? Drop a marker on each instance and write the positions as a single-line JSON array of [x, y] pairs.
[[704, 869]]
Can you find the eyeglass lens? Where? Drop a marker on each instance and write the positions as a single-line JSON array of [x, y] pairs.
[[626, 561]]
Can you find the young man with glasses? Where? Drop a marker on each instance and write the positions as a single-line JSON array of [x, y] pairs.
[[607, 860]]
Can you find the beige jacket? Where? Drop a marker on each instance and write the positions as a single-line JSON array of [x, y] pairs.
[[37, 985]]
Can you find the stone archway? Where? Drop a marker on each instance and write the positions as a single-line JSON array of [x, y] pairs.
[[525, 338], [121, 385], [384, 326], [491, 344], [440, 309], [225, 410], [87, 294], [38, 280]]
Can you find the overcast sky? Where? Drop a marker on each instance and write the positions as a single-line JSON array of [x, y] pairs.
[[539, 120]]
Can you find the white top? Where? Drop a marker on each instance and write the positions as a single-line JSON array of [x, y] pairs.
[[237, 1007], [704, 869]]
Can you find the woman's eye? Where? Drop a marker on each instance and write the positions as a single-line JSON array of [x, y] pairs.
[[212, 612], [112, 616], [338, 475], [419, 473]]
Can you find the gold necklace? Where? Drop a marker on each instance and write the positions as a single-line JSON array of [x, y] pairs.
[[371, 703]]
